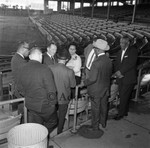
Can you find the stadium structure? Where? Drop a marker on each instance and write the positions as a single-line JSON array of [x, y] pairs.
[[109, 20]]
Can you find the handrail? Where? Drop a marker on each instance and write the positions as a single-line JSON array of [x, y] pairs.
[[14, 101]]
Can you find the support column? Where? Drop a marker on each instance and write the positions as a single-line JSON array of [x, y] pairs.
[[45, 6], [134, 11], [92, 8], [82, 7], [72, 5], [108, 11], [1, 87], [59, 6]]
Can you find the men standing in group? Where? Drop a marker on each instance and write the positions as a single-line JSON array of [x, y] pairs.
[[64, 80], [98, 84], [17, 62], [37, 84], [126, 75], [49, 57]]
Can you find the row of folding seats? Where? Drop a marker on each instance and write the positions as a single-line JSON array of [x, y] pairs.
[[81, 29]]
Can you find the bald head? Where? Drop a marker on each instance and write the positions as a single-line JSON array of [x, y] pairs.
[[36, 54]]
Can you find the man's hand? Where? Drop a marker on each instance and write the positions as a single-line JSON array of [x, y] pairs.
[[81, 84], [117, 74]]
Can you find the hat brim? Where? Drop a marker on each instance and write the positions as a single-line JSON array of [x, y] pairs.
[[107, 48]]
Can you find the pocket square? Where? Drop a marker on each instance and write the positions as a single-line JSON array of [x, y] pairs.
[[125, 56]]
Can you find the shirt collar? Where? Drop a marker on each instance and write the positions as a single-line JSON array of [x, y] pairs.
[[125, 49], [20, 55], [49, 55], [101, 54]]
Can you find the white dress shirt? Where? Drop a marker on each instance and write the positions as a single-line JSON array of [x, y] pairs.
[[122, 55], [75, 64], [90, 59]]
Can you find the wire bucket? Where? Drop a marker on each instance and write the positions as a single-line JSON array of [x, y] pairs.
[[29, 135]]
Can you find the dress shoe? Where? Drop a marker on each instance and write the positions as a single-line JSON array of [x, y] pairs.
[[118, 117]]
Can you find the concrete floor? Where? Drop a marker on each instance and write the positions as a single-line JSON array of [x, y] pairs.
[[130, 132]]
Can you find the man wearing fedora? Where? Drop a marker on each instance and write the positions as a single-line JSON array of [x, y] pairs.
[[98, 84], [65, 80]]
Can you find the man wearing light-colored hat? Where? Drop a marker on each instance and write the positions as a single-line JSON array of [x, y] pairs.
[[90, 54], [98, 84]]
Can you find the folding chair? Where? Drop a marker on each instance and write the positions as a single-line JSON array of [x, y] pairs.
[[77, 106]]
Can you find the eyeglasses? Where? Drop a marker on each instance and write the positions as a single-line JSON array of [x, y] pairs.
[[26, 48]]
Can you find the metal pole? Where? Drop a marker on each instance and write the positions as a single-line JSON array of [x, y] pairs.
[[134, 10], [1, 87], [138, 86], [81, 7], [92, 8], [73, 7], [108, 11], [75, 110]]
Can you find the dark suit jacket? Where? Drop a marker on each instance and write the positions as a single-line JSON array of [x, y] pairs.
[[47, 60], [99, 76], [16, 63], [37, 84], [128, 65], [64, 80]]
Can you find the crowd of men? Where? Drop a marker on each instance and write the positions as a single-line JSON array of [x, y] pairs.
[[47, 80]]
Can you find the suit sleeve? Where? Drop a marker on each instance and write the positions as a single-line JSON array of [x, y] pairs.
[[116, 62], [92, 76], [50, 86], [132, 60]]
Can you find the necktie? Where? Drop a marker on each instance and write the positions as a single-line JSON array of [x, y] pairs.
[[53, 59]]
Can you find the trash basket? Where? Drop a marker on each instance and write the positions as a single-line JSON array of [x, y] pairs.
[[29, 135]]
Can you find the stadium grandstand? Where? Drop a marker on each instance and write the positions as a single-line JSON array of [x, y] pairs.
[[62, 22]]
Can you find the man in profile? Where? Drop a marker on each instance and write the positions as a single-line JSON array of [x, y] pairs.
[[17, 62], [37, 84], [49, 57], [98, 85], [64, 80]]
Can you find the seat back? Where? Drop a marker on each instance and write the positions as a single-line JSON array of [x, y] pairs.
[[82, 105]]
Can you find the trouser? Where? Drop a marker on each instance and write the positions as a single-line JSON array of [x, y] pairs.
[[125, 91], [47, 117], [62, 110], [78, 81], [99, 108]]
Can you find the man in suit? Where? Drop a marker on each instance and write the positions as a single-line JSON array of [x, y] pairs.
[[98, 84], [64, 80], [49, 57], [18, 61], [37, 84], [126, 75]]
